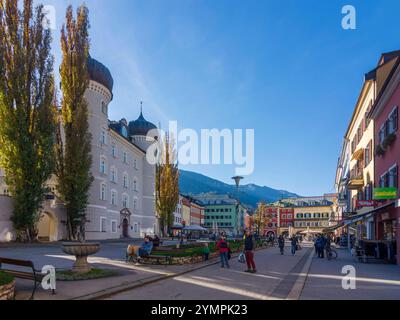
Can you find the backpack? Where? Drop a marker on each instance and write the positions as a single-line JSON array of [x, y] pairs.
[[242, 258]]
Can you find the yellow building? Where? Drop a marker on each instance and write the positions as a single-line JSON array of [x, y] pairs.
[[312, 216]]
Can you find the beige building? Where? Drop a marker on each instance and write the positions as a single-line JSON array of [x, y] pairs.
[[312, 216], [121, 201]]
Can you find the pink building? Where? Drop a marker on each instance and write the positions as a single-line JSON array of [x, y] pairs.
[[387, 156]]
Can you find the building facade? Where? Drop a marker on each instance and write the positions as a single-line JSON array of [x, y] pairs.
[[285, 220], [221, 213], [121, 198], [196, 213], [386, 117], [271, 221], [186, 205], [312, 216]]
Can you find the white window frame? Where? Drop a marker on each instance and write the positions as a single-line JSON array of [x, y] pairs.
[[126, 181], [103, 137], [103, 192], [101, 224], [390, 173], [125, 157], [114, 199], [125, 198], [116, 226], [113, 175], [101, 169]]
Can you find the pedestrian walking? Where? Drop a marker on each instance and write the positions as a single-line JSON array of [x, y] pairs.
[[321, 243], [223, 247], [249, 249], [281, 243], [206, 252], [294, 243], [316, 244]]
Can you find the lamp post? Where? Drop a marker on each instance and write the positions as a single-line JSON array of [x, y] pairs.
[[237, 180]]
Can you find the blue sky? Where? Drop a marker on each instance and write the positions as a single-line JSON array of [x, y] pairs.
[[283, 68]]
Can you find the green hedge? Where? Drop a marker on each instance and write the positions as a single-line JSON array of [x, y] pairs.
[[5, 278], [196, 250]]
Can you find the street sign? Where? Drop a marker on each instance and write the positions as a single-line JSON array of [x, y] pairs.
[[385, 193]]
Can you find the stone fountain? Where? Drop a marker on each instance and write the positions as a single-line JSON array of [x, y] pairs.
[[81, 250]]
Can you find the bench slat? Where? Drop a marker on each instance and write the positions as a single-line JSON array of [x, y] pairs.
[[24, 275], [15, 262]]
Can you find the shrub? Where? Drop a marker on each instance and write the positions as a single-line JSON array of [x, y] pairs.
[[5, 278]]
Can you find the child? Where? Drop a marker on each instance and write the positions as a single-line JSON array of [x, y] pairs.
[[206, 251]]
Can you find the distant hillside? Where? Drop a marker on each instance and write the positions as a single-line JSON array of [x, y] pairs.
[[192, 183]]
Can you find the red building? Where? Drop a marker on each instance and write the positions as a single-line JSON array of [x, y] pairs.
[[286, 218], [387, 149], [271, 221]]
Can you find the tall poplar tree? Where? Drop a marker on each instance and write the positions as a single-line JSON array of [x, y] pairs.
[[167, 185], [26, 111], [73, 137]]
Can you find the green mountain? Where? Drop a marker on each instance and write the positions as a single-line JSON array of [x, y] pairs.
[[193, 184]]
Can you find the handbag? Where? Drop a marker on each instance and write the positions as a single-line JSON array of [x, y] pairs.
[[242, 258]]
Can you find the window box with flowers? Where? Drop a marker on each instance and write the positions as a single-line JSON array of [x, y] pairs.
[[386, 143]]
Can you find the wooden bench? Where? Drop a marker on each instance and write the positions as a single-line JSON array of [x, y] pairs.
[[35, 275]]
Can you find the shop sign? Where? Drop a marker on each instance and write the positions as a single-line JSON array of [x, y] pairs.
[[385, 193], [365, 203]]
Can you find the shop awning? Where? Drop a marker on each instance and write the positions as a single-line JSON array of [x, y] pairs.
[[333, 228], [177, 226], [194, 228], [366, 215]]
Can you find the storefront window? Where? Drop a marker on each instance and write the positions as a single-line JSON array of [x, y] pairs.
[[389, 230]]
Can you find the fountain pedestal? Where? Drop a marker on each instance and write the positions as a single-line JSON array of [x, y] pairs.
[[81, 251]]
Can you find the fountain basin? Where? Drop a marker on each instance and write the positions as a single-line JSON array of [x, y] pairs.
[[81, 251]]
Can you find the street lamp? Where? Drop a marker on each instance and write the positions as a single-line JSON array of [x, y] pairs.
[[237, 180]]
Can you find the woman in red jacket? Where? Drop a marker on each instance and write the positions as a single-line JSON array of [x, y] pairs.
[[223, 247]]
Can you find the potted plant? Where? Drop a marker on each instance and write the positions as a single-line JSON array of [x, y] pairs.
[[7, 286], [380, 151], [389, 140]]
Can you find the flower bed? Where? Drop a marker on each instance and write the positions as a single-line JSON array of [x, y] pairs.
[[188, 254], [7, 286]]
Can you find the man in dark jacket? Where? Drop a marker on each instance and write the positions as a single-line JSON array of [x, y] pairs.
[[249, 249], [281, 243], [321, 243]]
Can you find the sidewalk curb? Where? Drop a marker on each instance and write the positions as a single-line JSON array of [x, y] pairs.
[[140, 283], [298, 287]]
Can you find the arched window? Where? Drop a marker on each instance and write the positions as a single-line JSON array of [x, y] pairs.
[[103, 166], [125, 157], [126, 183]]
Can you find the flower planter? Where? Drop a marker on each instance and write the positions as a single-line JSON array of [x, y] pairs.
[[7, 291]]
